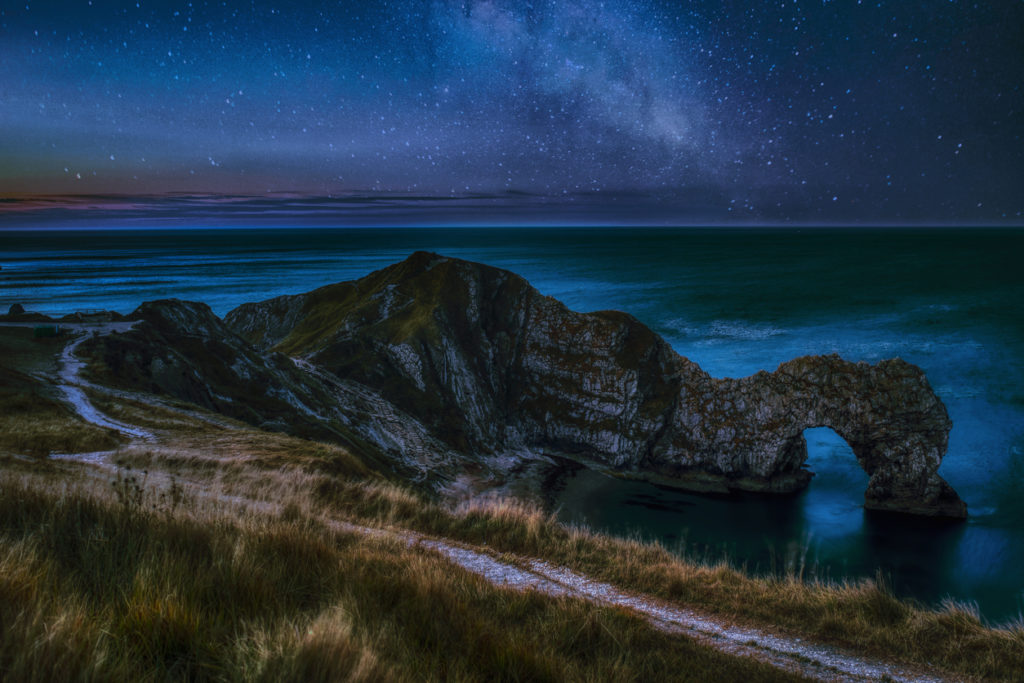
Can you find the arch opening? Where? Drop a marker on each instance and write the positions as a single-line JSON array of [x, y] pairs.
[[834, 464], [836, 493]]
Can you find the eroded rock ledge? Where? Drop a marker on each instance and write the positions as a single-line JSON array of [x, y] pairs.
[[449, 366]]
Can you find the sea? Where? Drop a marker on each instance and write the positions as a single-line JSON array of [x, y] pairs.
[[735, 300]]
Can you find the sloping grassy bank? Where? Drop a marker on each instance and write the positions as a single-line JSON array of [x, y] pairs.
[[35, 423], [120, 583], [863, 616]]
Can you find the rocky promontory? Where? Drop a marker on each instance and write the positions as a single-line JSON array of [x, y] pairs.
[[446, 367]]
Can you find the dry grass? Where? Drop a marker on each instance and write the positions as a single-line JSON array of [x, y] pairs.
[[32, 423], [95, 586], [253, 465], [863, 616], [153, 417], [44, 429], [22, 351]]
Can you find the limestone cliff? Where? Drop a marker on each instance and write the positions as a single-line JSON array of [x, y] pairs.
[[493, 368], [181, 349], [443, 367]]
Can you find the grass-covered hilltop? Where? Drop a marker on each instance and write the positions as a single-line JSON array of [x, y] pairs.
[[313, 488]]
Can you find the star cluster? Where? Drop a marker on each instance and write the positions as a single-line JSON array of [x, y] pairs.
[[788, 110]]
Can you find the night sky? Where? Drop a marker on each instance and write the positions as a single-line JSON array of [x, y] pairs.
[[831, 111]]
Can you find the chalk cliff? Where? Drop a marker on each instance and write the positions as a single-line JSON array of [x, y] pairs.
[[446, 366]]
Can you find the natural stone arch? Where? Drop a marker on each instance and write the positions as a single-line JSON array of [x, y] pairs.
[[887, 413]]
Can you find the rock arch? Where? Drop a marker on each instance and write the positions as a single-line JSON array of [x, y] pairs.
[[896, 426]]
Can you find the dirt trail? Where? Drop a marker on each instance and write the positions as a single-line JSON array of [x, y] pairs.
[[72, 385], [69, 381], [784, 652], [68, 378]]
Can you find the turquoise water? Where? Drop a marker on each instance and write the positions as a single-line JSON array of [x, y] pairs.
[[734, 300]]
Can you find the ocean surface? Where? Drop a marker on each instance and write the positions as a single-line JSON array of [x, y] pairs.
[[734, 300]]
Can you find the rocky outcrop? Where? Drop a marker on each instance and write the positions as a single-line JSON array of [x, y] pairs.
[[17, 314], [181, 349], [436, 367], [492, 370]]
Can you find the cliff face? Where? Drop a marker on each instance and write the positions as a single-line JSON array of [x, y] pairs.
[[483, 359], [445, 366], [492, 367], [181, 349]]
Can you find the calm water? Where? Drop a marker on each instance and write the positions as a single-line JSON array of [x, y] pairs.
[[734, 300]]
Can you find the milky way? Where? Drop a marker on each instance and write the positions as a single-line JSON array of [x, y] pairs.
[[827, 110]]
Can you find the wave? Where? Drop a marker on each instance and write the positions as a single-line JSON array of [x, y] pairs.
[[725, 329]]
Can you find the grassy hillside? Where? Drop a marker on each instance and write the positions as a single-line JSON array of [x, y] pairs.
[[213, 553], [169, 574], [32, 420], [126, 583]]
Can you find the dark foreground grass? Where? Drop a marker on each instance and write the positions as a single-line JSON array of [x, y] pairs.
[[96, 584], [863, 616]]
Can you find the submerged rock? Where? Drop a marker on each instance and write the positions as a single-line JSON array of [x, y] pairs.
[[441, 369]]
